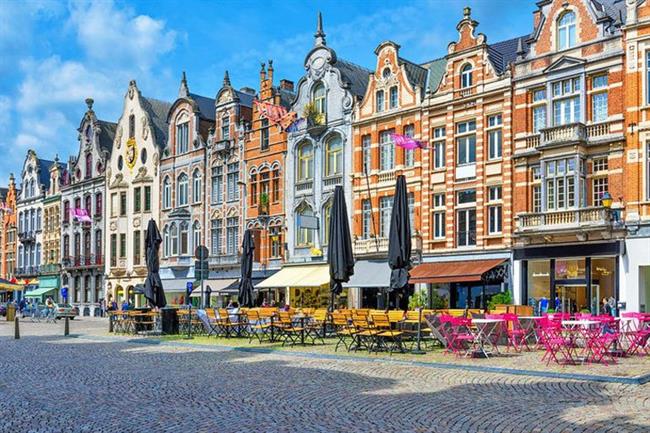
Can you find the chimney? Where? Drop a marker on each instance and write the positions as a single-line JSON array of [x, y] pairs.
[[286, 85], [263, 73], [270, 76]]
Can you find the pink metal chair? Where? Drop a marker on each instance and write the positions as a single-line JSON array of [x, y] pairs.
[[558, 347], [515, 333]]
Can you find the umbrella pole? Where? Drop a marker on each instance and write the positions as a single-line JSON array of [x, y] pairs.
[[418, 350]]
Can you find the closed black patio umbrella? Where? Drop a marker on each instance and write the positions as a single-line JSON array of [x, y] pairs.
[[153, 288], [399, 240], [246, 282], [339, 249]]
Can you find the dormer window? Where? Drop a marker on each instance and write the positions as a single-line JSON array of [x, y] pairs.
[[225, 127], [319, 99], [182, 137], [385, 73], [566, 30], [392, 100], [379, 101], [466, 76]]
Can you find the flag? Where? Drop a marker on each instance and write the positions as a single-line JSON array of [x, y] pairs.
[[296, 124], [276, 114], [406, 142], [80, 215]]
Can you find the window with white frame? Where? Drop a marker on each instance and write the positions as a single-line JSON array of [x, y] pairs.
[[466, 142], [216, 234], [385, 208], [566, 30], [600, 165], [184, 238], [466, 76], [379, 101], [232, 178], [387, 151], [366, 219], [366, 153], [182, 137], [439, 216], [319, 98], [536, 192], [439, 155], [166, 243], [264, 134], [225, 127], [217, 185], [196, 186], [326, 216], [196, 234], [539, 110], [392, 97], [232, 235], [173, 234], [495, 136], [410, 197], [600, 186], [599, 105], [566, 101], [495, 217], [409, 154], [563, 180], [304, 236], [334, 156], [183, 184], [466, 217], [305, 162]]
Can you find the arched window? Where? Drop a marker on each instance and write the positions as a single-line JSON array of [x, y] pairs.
[[184, 238], [385, 74], [98, 203], [379, 101], [39, 215], [305, 162], [225, 127], [166, 243], [32, 188], [319, 99], [304, 236], [334, 157], [566, 30], [196, 234], [173, 234], [167, 193], [88, 204], [98, 247], [392, 99], [196, 186], [131, 126], [89, 166], [466, 76], [327, 211], [182, 189], [89, 133]]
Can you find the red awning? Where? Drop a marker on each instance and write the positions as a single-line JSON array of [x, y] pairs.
[[452, 272]]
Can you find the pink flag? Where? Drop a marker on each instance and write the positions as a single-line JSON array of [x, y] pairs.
[[80, 215], [276, 114], [406, 142]]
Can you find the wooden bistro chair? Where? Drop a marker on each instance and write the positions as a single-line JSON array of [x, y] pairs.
[[226, 327], [258, 326], [344, 331], [316, 327], [288, 330], [386, 337], [365, 333]]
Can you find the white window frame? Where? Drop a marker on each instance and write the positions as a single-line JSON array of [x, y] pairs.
[[566, 31], [495, 136]]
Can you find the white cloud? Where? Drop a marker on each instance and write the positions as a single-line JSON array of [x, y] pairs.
[[118, 36], [5, 112]]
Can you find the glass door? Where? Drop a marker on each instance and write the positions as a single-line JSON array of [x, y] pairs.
[[572, 297]]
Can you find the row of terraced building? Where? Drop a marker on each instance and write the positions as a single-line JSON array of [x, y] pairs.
[[534, 179]]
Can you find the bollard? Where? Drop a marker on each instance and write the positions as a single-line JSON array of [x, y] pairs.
[[66, 330], [16, 329], [110, 323]]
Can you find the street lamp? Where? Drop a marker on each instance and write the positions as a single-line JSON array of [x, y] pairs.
[[606, 199]]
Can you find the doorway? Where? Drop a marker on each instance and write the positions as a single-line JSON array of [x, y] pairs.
[[572, 297]]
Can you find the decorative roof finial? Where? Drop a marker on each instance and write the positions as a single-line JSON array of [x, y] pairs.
[[184, 90], [320, 34], [226, 79], [89, 103], [263, 67], [467, 11], [520, 49]]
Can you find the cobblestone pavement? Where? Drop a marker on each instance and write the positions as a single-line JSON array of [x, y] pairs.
[[96, 384]]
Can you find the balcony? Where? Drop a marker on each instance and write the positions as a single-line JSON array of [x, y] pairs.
[[387, 176], [27, 271], [83, 262], [223, 146], [332, 181], [27, 237], [51, 269], [573, 220], [574, 133], [224, 260], [379, 246], [303, 187]]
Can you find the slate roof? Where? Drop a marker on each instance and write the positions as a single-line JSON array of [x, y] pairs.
[[286, 97], [356, 76], [245, 99], [501, 54], [416, 74], [205, 104], [158, 111], [44, 172], [107, 136], [614, 9], [3, 193], [437, 69]]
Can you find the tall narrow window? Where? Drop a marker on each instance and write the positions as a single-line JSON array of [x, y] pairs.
[[393, 97], [232, 235], [305, 162], [225, 127], [166, 243], [601, 185], [566, 101], [137, 199], [113, 249], [173, 234], [181, 194], [379, 101], [136, 247], [466, 142], [196, 186], [184, 238], [566, 30], [327, 211], [439, 216], [217, 185], [132, 126], [123, 203], [196, 234], [385, 208], [539, 109], [366, 219], [409, 154], [276, 185], [147, 198], [216, 236], [319, 98], [167, 193], [334, 157], [466, 218], [495, 136], [232, 178], [182, 137], [494, 210], [366, 154], [599, 98], [99, 203], [466, 76], [304, 235], [122, 245], [264, 134], [89, 166], [439, 154], [387, 149]]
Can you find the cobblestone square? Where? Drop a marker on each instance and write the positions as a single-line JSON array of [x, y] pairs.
[[93, 383]]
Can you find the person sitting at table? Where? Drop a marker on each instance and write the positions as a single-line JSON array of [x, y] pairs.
[[607, 309], [230, 304], [265, 303]]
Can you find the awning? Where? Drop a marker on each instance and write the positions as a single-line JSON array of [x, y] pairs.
[[452, 272], [37, 293], [215, 286], [28, 282], [51, 282], [298, 276], [369, 274], [177, 285], [233, 288], [9, 286]]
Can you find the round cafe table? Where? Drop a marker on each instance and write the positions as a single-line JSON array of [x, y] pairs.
[[530, 325], [486, 329]]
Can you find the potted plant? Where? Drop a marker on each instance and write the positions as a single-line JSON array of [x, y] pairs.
[[264, 204], [499, 299], [315, 119]]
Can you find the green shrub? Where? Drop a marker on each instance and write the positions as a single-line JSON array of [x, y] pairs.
[[498, 299]]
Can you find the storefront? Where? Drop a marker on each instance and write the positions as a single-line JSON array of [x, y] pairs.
[[569, 278], [462, 284], [368, 285], [299, 286]]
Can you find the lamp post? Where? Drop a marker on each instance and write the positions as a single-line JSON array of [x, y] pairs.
[[606, 199]]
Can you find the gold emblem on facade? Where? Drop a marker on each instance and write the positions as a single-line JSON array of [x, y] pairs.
[[131, 152]]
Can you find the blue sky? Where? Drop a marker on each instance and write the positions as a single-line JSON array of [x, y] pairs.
[[55, 54]]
